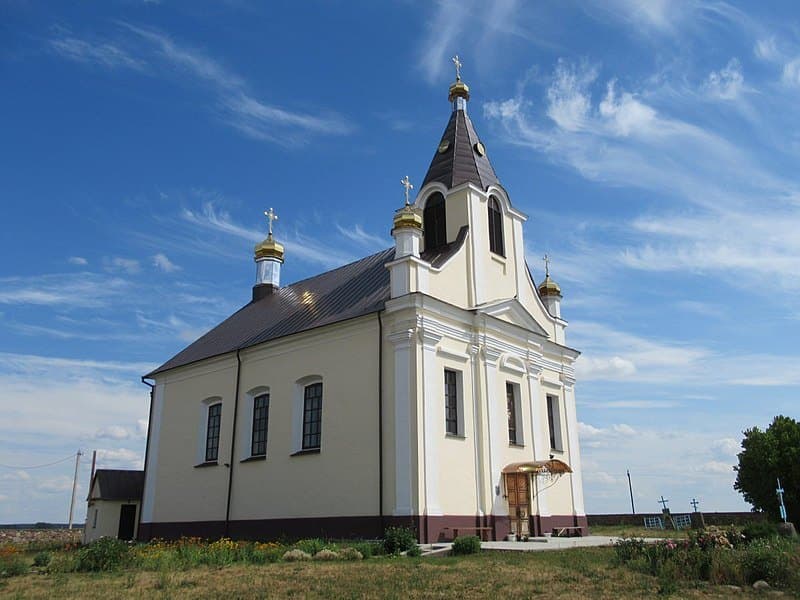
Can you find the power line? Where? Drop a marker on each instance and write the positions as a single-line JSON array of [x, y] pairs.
[[39, 466]]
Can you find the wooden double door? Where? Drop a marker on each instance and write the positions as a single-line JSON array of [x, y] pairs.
[[519, 502]]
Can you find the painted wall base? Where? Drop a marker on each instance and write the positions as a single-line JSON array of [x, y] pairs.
[[430, 529]]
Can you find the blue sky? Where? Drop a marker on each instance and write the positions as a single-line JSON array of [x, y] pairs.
[[653, 145]]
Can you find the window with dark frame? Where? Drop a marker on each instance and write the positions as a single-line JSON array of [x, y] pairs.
[[312, 416], [511, 408], [212, 432], [434, 222], [260, 425], [450, 402], [496, 227], [553, 422]]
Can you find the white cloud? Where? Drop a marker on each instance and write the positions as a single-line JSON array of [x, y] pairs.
[[357, 234], [715, 467], [130, 266], [726, 447], [568, 98], [77, 260], [161, 261], [54, 485], [767, 49], [85, 290], [104, 54], [112, 432], [727, 83]]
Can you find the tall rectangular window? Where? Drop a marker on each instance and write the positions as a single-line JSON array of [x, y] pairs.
[[260, 425], [212, 432], [312, 416], [495, 227], [450, 402], [511, 409], [554, 422]]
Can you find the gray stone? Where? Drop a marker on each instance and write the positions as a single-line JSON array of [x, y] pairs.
[[787, 530], [760, 585], [734, 589]]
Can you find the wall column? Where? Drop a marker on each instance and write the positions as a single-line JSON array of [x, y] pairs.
[[401, 340], [539, 434], [496, 423], [576, 479], [433, 419], [151, 468]]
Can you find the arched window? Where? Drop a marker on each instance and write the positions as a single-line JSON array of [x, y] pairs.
[[434, 222], [496, 227]]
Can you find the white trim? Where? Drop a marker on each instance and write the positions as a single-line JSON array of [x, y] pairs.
[[433, 421], [513, 364], [573, 444], [449, 355], [519, 422]]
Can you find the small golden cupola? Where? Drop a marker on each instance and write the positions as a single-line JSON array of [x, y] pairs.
[[459, 91], [407, 226], [550, 292], [269, 258]]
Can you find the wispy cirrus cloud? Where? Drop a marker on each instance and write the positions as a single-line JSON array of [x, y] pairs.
[[158, 54], [82, 290]]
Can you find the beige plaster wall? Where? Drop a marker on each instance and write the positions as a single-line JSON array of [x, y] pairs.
[[107, 525]]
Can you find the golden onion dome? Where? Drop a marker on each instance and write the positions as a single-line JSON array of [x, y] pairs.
[[549, 288], [269, 248], [407, 217], [458, 89]]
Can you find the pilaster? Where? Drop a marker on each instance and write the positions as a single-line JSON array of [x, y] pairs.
[[539, 433], [576, 478], [433, 410], [403, 385]]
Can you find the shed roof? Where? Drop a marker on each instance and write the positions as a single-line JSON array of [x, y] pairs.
[[118, 484]]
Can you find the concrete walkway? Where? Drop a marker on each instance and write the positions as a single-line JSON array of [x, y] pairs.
[[534, 544]]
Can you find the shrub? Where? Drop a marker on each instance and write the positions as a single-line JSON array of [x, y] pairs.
[[63, 562], [350, 554], [13, 565], [399, 539], [42, 559], [628, 549], [296, 555], [105, 554], [467, 544], [368, 549], [310, 546], [414, 551], [755, 530], [326, 554], [222, 552], [768, 560]]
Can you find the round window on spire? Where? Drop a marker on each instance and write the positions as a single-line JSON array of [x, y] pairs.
[[444, 146], [479, 149]]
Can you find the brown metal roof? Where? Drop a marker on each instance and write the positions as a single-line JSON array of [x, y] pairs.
[[460, 162], [118, 484], [553, 466], [350, 291]]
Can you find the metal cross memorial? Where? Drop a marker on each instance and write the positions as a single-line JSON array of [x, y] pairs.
[[408, 185], [663, 502], [271, 216], [780, 491], [694, 504], [458, 65]]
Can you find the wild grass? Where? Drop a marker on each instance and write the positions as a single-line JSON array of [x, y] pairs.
[[576, 573]]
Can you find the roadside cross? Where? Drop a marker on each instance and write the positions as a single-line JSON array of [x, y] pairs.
[[271, 216], [780, 491], [408, 185], [663, 502], [694, 504]]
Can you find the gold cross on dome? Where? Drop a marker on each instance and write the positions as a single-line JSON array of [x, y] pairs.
[[546, 259], [271, 216], [458, 65], [408, 185]]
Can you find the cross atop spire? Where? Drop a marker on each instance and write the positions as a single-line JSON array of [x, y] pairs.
[[458, 64], [408, 185], [546, 259], [271, 216]]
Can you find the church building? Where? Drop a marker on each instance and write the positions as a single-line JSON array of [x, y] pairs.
[[427, 385]]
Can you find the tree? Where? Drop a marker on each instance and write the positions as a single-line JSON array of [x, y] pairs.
[[766, 456]]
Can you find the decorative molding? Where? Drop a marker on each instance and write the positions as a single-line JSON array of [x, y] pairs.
[[568, 380], [512, 363], [457, 356]]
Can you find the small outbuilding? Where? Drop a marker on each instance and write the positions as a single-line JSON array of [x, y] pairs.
[[115, 498]]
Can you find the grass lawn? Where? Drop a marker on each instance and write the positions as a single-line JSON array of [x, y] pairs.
[[637, 531], [576, 573]]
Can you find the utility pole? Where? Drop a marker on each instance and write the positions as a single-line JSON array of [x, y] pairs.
[[630, 488], [74, 486]]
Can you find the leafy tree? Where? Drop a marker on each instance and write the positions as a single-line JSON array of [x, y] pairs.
[[765, 456]]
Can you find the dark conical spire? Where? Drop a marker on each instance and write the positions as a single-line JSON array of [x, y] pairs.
[[460, 157]]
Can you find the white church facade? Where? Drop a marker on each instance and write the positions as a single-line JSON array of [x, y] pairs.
[[428, 385]]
